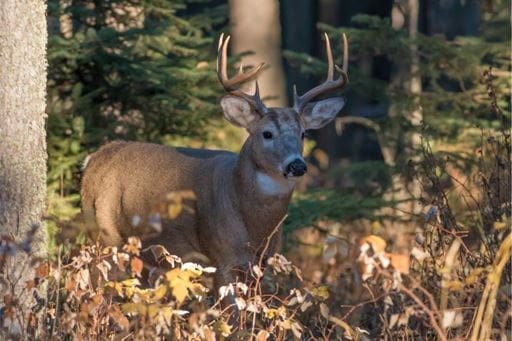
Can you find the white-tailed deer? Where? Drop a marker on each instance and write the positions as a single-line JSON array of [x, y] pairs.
[[232, 202]]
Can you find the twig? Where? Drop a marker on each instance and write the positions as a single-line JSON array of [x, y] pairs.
[[269, 238], [429, 312], [354, 307]]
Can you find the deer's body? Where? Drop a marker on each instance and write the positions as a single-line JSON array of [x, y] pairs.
[[236, 200], [232, 212]]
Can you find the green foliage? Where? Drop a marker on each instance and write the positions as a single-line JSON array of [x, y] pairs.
[[339, 205], [121, 69]]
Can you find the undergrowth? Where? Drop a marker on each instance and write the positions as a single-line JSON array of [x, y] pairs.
[[452, 283]]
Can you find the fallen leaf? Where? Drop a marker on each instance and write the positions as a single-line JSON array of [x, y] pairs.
[[419, 254], [452, 319], [104, 268], [377, 243], [400, 263], [324, 310], [223, 328], [136, 266], [133, 246], [30, 284], [393, 319], [262, 335], [43, 270], [321, 292]]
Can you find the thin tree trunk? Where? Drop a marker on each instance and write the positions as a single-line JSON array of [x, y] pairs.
[[255, 27], [415, 116], [402, 145], [23, 36]]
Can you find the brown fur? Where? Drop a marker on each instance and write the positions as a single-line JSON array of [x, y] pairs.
[[229, 219]]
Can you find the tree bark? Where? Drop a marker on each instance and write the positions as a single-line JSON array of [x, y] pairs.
[[255, 27], [23, 36]]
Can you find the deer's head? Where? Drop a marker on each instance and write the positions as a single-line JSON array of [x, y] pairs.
[[276, 135]]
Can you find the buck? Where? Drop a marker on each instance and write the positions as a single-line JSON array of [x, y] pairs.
[[233, 202]]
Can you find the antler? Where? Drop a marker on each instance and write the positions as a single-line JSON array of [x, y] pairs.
[[299, 102], [231, 85]]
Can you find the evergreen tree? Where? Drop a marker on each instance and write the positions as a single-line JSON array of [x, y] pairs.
[[126, 69]]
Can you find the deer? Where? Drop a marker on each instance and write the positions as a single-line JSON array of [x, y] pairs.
[[234, 201]]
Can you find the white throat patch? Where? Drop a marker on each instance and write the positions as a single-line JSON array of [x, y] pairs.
[[271, 186]]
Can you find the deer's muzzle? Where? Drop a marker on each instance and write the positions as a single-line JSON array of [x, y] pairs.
[[296, 168]]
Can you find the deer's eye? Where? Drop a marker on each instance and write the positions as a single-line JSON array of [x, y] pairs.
[[267, 135], [303, 135]]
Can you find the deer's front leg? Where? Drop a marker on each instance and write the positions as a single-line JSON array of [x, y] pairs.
[[233, 269]]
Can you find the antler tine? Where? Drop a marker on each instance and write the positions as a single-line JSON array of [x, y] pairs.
[[219, 44], [231, 85], [222, 60], [330, 62], [345, 53], [330, 83]]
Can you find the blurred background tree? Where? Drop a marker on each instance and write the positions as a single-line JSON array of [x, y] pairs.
[[255, 26]]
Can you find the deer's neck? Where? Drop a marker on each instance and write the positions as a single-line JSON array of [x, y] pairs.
[[263, 198]]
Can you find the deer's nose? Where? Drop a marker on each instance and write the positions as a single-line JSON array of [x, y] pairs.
[[296, 168]]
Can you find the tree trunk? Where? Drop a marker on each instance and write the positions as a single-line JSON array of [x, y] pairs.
[[404, 146], [255, 27], [299, 34], [23, 36]]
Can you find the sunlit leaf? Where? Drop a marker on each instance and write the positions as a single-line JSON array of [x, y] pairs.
[[223, 328], [377, 243], [321, 292], [400, 263], [136, 266]]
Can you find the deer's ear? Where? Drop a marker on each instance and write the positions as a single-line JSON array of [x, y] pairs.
[[318, 114], [238, 111]]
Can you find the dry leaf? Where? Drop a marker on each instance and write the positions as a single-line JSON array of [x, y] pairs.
[[452, 319], [419, 254], [30, 284], [400, 263], [240, 303], [104, 267], [136, 266], [133, 246], [393, 319], [262, 335], [43, 270], [324, 310], [321, 292], [377, 243], [257, 271], [304, 306], [209, 335], [223, 328], [297, 330]]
